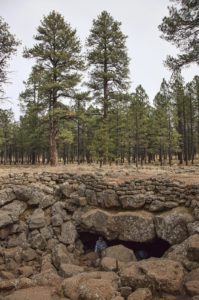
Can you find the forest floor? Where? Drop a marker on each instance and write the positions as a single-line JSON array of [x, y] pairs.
[[113, 173]]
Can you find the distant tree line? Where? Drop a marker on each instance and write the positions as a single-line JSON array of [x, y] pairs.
[[133, 130], [78, 107]]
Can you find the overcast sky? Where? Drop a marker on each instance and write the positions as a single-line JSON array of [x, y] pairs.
[[140, 20]]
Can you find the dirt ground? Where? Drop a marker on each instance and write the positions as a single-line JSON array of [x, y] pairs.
[[120, 173]]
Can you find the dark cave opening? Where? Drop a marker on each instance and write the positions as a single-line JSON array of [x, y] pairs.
[[155, 248]]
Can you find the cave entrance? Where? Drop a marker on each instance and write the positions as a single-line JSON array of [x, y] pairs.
[[155, 248]]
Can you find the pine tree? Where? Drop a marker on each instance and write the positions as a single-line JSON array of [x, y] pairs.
[[8, 47], [137, 121], [57, 53], [192, 116], [108, 60], [108, 65], [181, 28], [164, 119], [6, 117], [180, 102], [195, 96]]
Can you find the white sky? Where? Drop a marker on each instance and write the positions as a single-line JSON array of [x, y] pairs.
[[140, 20]]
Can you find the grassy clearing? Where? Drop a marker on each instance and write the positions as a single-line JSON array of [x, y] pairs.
[[188, 174]]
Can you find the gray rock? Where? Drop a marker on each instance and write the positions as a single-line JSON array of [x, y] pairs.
[[186, 252], [66, 189], [47, 201], [193, 248], [59, 209], [37, 241], [68, 233], [108, 198], [19, 227], [81, 190], [171, 226], [32, 195], [57, 220], [128, 226], [29, 254], [5, 232], [6, 196], [37, 219], [193, 228], [18, 240], [134, 201], [69, 270], [6, 219], [60, 255], [91, 197], [16, 208], [196, 213], [158, 205], [120, 253], [192, 287], [47, 232], [141, 294], [133, 226], [163, 275]]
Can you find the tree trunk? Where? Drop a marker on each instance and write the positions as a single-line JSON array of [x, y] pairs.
[[53, 149]]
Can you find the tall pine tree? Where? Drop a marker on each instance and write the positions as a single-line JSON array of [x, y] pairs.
[[57, 52], [8, 46], [108, 65]]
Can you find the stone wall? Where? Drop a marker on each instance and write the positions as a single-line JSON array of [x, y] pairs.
[[137, 210], [152, 194]]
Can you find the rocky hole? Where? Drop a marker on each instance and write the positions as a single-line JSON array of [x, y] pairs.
[[155, 248]]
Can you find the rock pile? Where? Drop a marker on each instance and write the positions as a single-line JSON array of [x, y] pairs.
[[42, 216]]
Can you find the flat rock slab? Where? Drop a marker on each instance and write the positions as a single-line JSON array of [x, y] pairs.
[[135, 226]]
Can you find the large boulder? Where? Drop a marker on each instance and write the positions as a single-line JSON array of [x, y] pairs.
[[32, 293], [60, 255], [141, 294], [186, 252], [96, 289], [95, 220], [30, 194], [120, 253], [135, 226], [71, 286], [160, 274], [171, 226]]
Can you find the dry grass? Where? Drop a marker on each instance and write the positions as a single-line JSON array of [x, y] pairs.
[[189, 174]]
